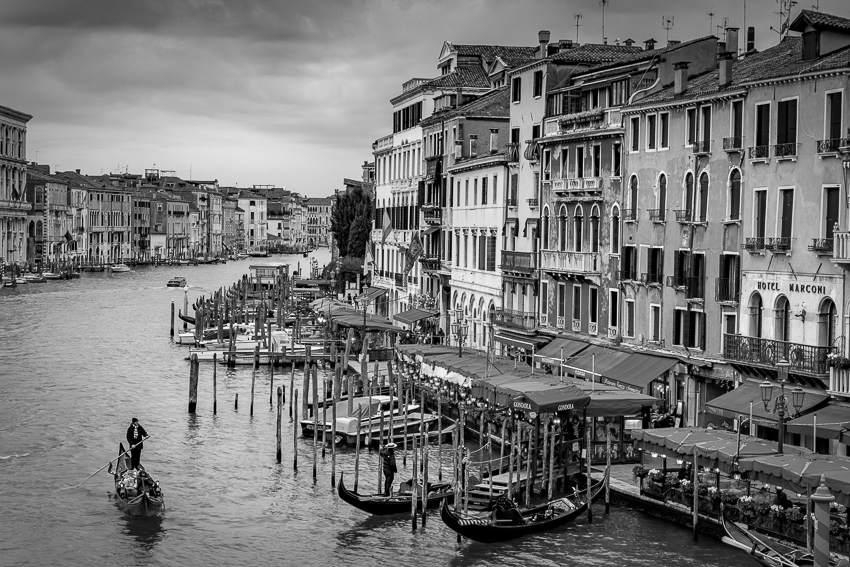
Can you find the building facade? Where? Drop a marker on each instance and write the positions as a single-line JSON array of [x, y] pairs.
[[13, 180]]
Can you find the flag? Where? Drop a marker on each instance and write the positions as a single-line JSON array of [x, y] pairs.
[[388, 226], [412, 253], [368, 259]]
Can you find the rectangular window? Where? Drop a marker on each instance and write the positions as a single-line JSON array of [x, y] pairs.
[[491, 254], [538, 84], [457, 251], [629, 315], [483, 190], [786, 219], [495, 189], [833, 115], [565, 160], [547, 165], [690, 126], [705, 125], [651, 131], [544, 297], [516, 87], [562, 300], [830, 209], [655, 323], [629, 259], [473, 145], [465, 250], [515, 135], [635, 131], [466, 193], [655, 266], [616, 171], [763, 124], [737, 121], [597, 160], [760, 213], [613, 308], [475, 192], [579, 161], [593, 305], [576, 302], [535, 131], [664, 130]]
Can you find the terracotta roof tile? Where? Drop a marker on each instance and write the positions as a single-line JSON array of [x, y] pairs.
[[596, 53], [463, 76], [819, 20], [490, 52]]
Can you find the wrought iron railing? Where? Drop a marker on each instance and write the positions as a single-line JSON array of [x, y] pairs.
[[630, 215], [733, 144], [821, 245], [779, 244], [518, 261], [627, 275], [758, 152], [832, 145], [702, 147], [657, 215], [511, 202], [786, 150], [433, 215], [727, 290], [532, 150], [534, 203], [512, 152], [651, 278], [806, 359], [754, 243], [524, 320], [684, 215]]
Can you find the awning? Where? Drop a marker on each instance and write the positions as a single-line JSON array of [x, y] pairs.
[[610, 400], [371, 293], [431, 230], [637, 371], [411, 316], [551, 353], [736, 403], [831, 422], [605, 359], [553, 400], [520, 341]]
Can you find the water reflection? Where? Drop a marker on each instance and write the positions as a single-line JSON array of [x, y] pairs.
[[146, 531]]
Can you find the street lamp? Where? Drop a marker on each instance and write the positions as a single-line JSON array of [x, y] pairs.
[[459, 330], [780, 405]]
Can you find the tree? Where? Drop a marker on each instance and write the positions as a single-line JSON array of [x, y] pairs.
[[351, 222]]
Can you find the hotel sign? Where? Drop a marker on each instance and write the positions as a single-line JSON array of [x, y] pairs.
[[794, 287]]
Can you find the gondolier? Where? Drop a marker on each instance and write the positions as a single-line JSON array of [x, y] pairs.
[[389, 467], [135, 435]]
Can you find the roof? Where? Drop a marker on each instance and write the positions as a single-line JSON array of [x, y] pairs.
[[644, 55], [317, 201], [463, 76], [45, 177], [494, 104], [596, 53], [736, 403], [819, 21], [74, 178], [490, 52]]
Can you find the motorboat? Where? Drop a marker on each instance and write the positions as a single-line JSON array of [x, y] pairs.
[[51, 276], [177, 281], [119, 268], [34, 278]]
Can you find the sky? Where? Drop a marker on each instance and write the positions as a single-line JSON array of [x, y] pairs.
[[289, 93]]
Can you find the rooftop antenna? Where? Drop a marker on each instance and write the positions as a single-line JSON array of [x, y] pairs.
[[603, 3], [710, 23], [784, 12], [577, 17], [667, 23]]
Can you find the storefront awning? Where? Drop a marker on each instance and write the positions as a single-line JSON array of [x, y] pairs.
[[552, 353], [371, 293], [431, 230], [411, 316], [520, 341], [638, 370], [831, 422], [596, 360], [565, 397], [736, 403]]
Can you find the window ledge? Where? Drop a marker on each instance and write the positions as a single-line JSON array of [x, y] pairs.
[[760, 160], [730, 221], [662, 222], [787, 158]]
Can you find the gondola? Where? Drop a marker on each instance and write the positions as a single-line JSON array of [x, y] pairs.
[[395, 504], [138, 493], [767, 551], [186, 318], [513, 523]]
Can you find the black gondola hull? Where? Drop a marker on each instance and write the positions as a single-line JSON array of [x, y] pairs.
[[384, 506]]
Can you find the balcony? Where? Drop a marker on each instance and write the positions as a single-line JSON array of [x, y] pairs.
[[821, 246], [754, 244], [534, 203], [785, 151], [570, 262], [693, 286], [779, 244], [702, 148], [430, 262], [525, 262], [839, 381], [759, 153], [512, 152], [433, 216], [727, 290], [841, 247], [532, 150], [630, 215], [592, 183], [652, 278], [733, 144], [511, 202], [559, 185], [399, 281], [627, 275], [755, 351], [657, 215], [521, 320], [684, 216], [832, 146]]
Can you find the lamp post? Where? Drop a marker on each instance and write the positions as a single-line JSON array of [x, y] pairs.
[[780, 405], [459, 330]]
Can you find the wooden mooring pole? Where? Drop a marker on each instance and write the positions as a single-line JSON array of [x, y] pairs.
[[215, 385], [172, 317], [254, 375], [315, 372], [279, 425], [193, 383], [295, 437]]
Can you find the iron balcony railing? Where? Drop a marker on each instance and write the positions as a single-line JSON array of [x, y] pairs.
[[754, 243], [627, 275], [821, 246], [727, 290], [778, 244], [702, 147], [804, 359], [684, 215], [656, 215], [511, 202], [652, 278], [832, 145], [532, 150], [523, 320], [787, 150], [399, 280], [630, 215], [572, 262], [733, 144], [758, 152], [693, 286], [518, 261], [533, 203], [433, 216], [512, 152]]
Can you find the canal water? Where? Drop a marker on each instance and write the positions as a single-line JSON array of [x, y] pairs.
[[80, 358]]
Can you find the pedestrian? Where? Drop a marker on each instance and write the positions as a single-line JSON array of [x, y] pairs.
[[389, 467], [782, 498], [136, 434]]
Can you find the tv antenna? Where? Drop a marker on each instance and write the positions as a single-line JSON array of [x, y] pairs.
[[721, 28], [710, 23], [784, 13], [578, 18], [667, 23], [603, 3]]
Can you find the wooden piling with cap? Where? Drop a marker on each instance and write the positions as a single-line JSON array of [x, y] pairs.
[[193, 383]]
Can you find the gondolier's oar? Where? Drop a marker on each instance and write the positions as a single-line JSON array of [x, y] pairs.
[[109, 463]]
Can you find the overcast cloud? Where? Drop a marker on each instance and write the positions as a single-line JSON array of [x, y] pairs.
[[283, 92]]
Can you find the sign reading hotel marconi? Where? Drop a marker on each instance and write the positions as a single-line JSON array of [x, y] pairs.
[[795, 287]]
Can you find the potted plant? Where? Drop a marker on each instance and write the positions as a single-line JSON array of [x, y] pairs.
[[639, 472], [747, 506], [656, 475]]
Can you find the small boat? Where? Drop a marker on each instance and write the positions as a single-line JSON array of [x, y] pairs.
[[767, 551], [75, 275], [51, 276], [34, 278], [398, 503], [375, 411], [138, 493], [507, 522], [21, 280], [177, 281], [119, 268]]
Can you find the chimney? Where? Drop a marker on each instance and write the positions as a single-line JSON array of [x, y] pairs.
[[649, 44], [78, 171], [680, 78], [751, 38], [543, 39], [732, 40], [673, 42], [564, 45], [726, 69], [629, 42], [458, 97]]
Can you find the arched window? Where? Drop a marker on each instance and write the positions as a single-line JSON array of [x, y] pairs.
[[703, 196], [662, 196], [782, 319], [594, 229], [689, 194], [578, 227], [615, 229], [755, 312], [735, 195], [546, 227], [827, 323], [562, 228]]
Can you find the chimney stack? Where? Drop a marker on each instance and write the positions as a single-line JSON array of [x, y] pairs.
[[680, 77], [564, 45], [629, 42], [649, 44], [751, 38], [673, 42], [726, 69], [732, 40], [543, 39], [78, 171]]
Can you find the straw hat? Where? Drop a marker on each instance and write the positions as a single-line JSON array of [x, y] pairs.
[[391, 445]]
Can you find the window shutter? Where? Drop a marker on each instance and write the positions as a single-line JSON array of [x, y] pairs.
[[677, 327], [701, 344], [491, 254], [482, 251], [792, 122]]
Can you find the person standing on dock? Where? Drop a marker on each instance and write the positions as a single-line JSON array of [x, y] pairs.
[[135, 435], [389, 467]]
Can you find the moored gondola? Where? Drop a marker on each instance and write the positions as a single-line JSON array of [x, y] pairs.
[[138, 493], [397, 503], [511, 523]]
